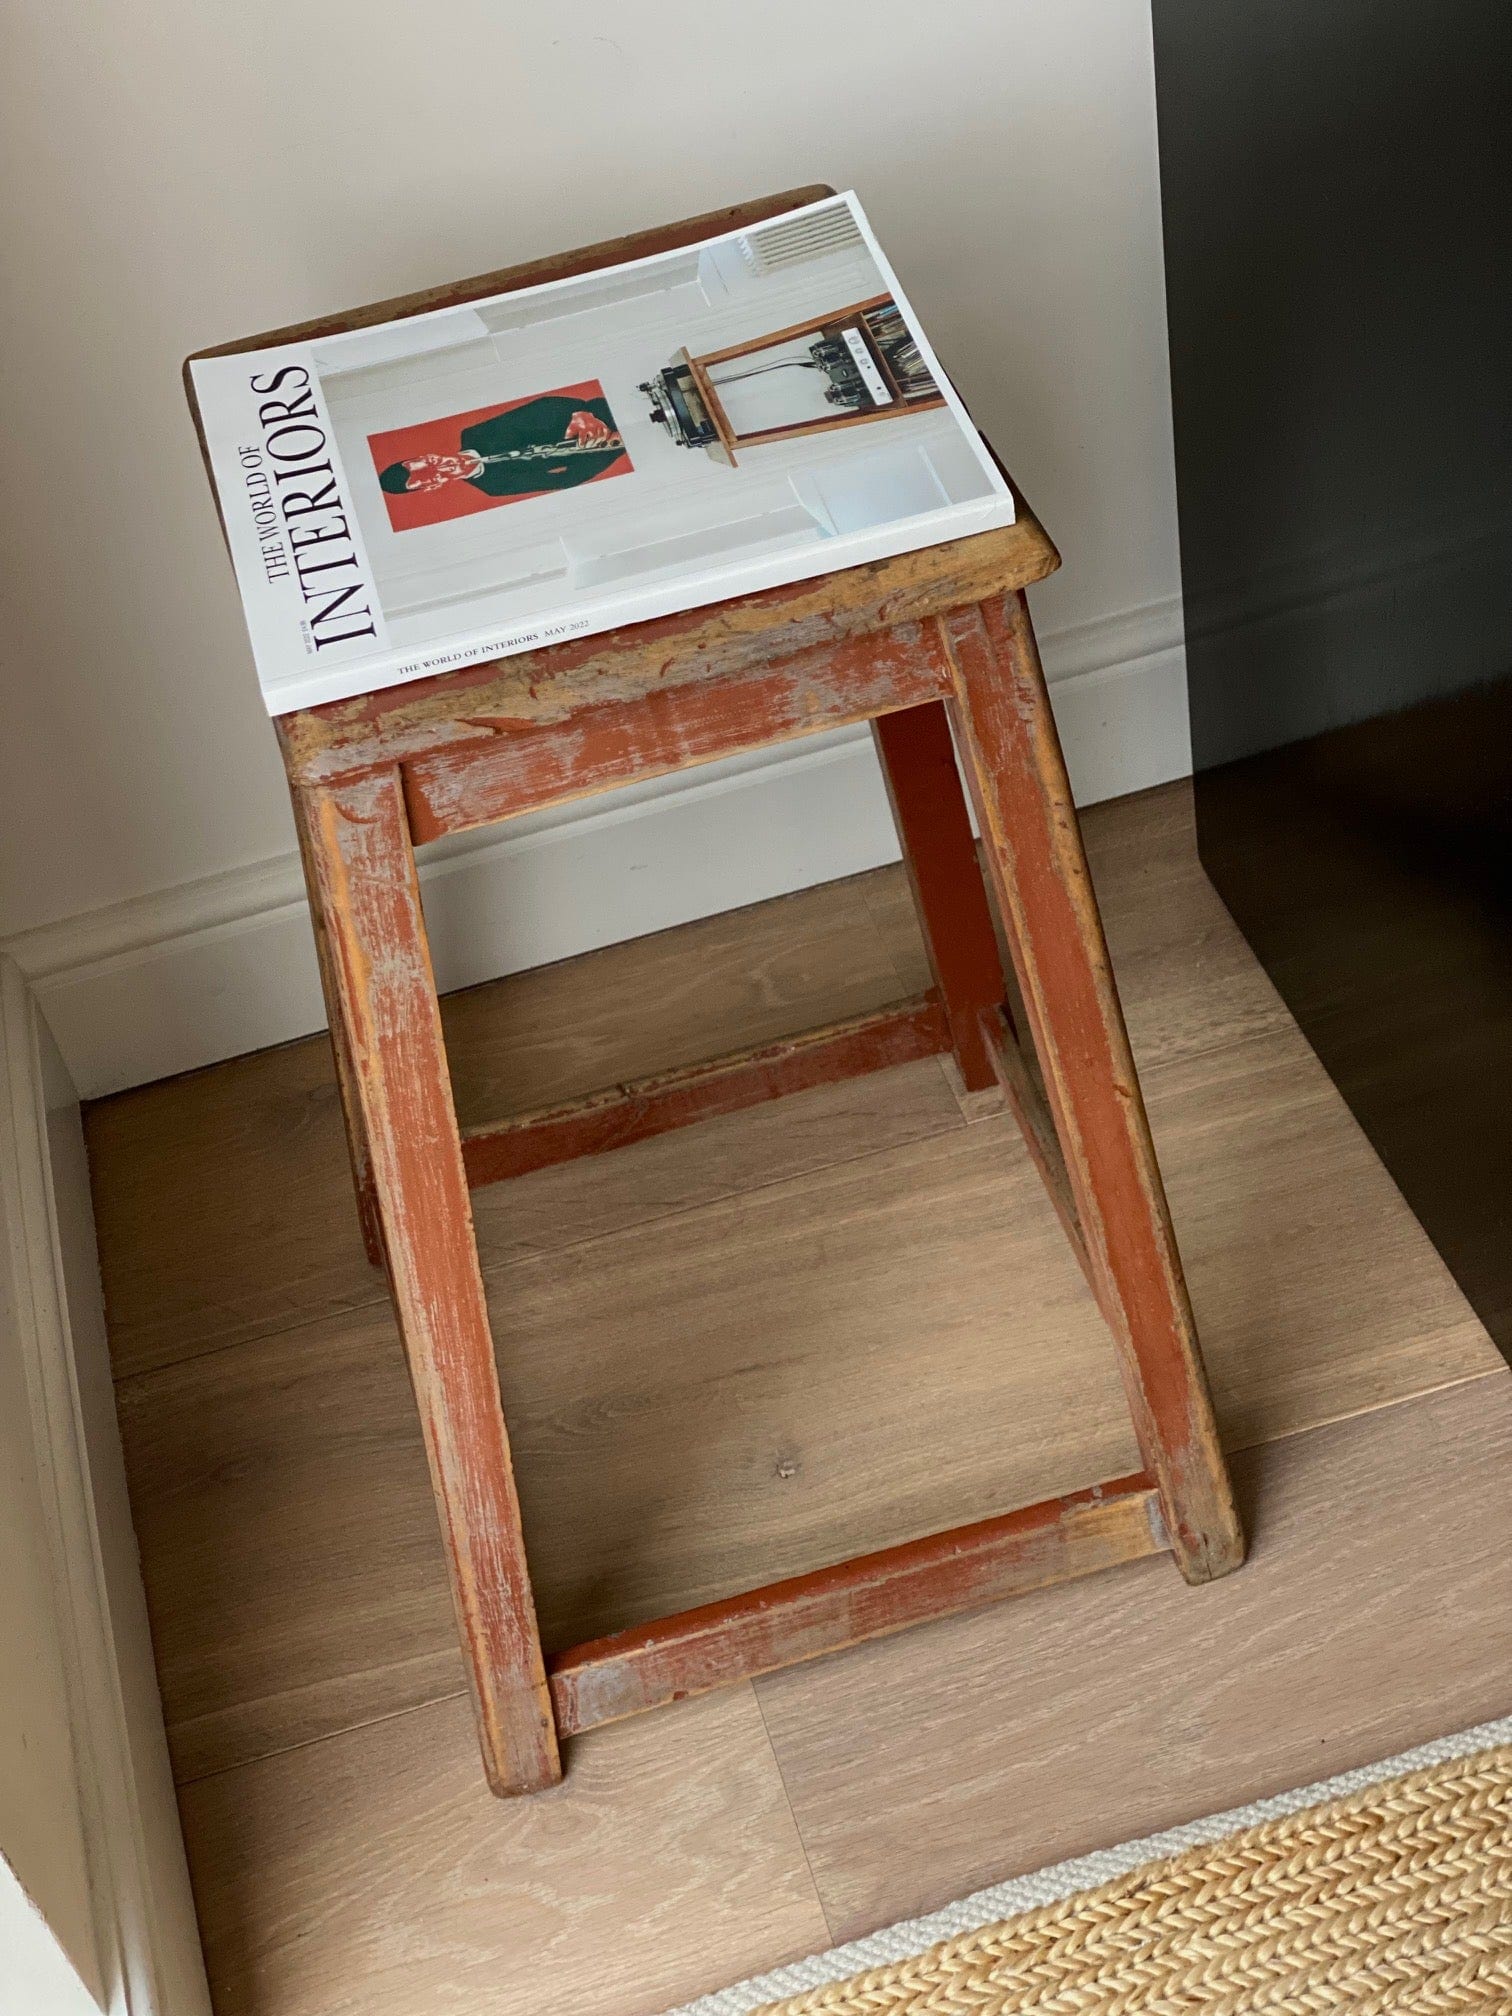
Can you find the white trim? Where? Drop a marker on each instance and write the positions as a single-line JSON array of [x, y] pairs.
[[915, 1936], [209, 969], [144, 1916]]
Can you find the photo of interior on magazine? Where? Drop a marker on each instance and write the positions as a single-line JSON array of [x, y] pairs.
[[700, 408]]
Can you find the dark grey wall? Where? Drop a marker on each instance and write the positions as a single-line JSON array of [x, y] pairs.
[[1336, 190], [1337, 196]]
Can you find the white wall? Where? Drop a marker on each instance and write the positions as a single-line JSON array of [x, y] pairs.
[[182, 173], [36, 1978], [95, 1906], [44, 1869], [44, 1851]]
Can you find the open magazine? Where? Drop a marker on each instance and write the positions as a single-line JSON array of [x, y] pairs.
[[657, 435]]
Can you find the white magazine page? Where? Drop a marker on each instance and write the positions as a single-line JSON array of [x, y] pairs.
[[658, 435]]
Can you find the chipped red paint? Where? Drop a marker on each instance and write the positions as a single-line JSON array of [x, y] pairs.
[[365, 890], [525, 766], [867, 1597], [647, 1106], [341, 1050], [729, 641], [1032, 844]]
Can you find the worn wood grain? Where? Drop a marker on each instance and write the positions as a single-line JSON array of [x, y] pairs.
[[643, 1107], [870, 1596], [1187, 980], [358, 1150], [296, 1580], [478, 745], [732, 640], [1032, 846], [374, 1876], [1375, 1613], [1025, 1093], [223, 1201], [1119, 1221], [654, 1005], [365, 890], [527, 764]]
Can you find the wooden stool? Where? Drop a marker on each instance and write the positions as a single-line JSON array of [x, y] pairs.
[[919, 645]]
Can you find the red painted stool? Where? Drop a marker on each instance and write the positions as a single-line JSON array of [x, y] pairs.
[[921, 645]]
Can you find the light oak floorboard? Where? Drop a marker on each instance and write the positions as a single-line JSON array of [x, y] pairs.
[[223, 1199], [223, 1206], [760, 1344], [740, 1350], [375, 1875], [846, 1358], [372, 1872], [723, 1397], [1317, 1293], [552, 1209], [1375, 1612], [718, 985]]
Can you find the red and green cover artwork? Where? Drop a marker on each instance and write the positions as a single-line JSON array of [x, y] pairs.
[[468, 462]]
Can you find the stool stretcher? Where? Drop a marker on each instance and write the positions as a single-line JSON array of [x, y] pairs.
[[642, 1107], [867, 1597]]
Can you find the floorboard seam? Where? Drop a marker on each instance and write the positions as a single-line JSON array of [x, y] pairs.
[[500, 1268], [459, 1693], [325, 1736], [803, 1847]]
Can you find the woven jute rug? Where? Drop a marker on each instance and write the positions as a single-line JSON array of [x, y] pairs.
[[1384, 1892]]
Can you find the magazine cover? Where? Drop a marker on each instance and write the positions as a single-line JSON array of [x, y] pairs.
[[653, 436]]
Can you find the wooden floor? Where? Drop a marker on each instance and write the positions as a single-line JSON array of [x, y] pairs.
[[731, 1353]]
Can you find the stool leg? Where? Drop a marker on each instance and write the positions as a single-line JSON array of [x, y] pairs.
[[368, 896], [346, 1074], [929, 811], [1017, 777]]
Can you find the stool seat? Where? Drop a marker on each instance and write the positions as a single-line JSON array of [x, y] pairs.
[[723, 641]]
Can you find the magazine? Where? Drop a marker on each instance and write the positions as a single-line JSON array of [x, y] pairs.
[[652, 436]]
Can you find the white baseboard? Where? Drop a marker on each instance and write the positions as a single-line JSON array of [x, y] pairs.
[[88, 1603], [210, 969]]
